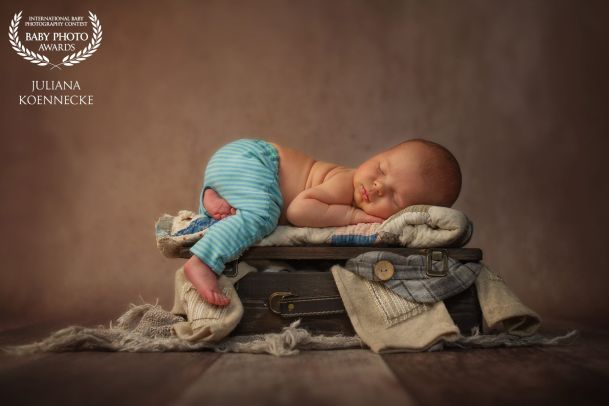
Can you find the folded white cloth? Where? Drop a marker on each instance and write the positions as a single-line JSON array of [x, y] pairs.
[[206, 322], [386, 321]]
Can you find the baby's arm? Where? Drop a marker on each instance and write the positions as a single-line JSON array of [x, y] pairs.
[[328, 205]]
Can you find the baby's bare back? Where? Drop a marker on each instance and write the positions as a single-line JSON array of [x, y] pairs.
[[298, 172]]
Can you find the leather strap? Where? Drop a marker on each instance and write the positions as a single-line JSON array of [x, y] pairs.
[[294, 306]]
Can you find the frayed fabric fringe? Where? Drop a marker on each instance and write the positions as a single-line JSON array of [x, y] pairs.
[[147, 328], [477, 340]]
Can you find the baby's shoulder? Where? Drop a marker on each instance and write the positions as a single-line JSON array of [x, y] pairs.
[[340, 171], [322, 172]]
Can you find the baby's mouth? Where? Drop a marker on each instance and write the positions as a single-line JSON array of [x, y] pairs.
[[365, 194]]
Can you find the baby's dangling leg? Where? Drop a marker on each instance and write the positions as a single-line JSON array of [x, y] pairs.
[[216, 206], [205, 281]]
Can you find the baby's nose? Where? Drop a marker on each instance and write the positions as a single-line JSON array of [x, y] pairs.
[[378, 186]]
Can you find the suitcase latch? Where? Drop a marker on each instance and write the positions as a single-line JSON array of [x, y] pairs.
[[436, 255], [275, 298]]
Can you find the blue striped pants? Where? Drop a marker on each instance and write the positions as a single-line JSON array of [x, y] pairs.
[[245, 173]]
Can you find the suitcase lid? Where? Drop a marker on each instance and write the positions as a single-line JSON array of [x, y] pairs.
[[344, 253]]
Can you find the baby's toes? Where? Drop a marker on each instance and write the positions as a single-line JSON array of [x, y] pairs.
[[232, 210], [219, 299], [224, 208]]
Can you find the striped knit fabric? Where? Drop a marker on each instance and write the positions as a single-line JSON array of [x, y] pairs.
[[246, 174]]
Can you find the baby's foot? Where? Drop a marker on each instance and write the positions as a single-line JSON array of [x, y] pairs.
[[216, 206], [206, 283]]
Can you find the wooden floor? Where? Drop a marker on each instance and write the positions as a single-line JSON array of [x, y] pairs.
[[576, 374]]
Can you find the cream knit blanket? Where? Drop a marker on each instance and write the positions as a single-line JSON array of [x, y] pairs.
[[418, 226]]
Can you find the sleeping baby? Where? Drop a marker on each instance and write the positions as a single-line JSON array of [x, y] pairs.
[[251, 186]]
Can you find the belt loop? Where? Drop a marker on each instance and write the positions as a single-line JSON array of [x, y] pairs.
[[436, 255]]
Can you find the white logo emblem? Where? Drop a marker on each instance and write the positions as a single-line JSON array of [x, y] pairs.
[[42, 60]]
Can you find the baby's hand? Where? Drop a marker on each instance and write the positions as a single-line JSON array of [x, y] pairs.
[[360, 216]]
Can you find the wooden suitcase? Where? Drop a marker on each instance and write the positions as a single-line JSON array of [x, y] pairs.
[[273, 300]]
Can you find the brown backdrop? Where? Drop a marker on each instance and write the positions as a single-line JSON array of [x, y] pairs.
[[518, 90]]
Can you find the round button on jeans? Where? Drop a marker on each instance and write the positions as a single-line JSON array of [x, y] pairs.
[[384, 270]]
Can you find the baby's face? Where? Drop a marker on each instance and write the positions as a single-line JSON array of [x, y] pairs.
[[390, 181]]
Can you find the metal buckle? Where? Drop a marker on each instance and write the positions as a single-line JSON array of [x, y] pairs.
[[436, 255], [233, 270], [275, 298]]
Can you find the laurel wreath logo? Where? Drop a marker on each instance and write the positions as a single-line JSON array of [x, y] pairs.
[[41, 60]]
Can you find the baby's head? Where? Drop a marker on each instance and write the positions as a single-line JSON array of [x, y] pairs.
[[413, 172]]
